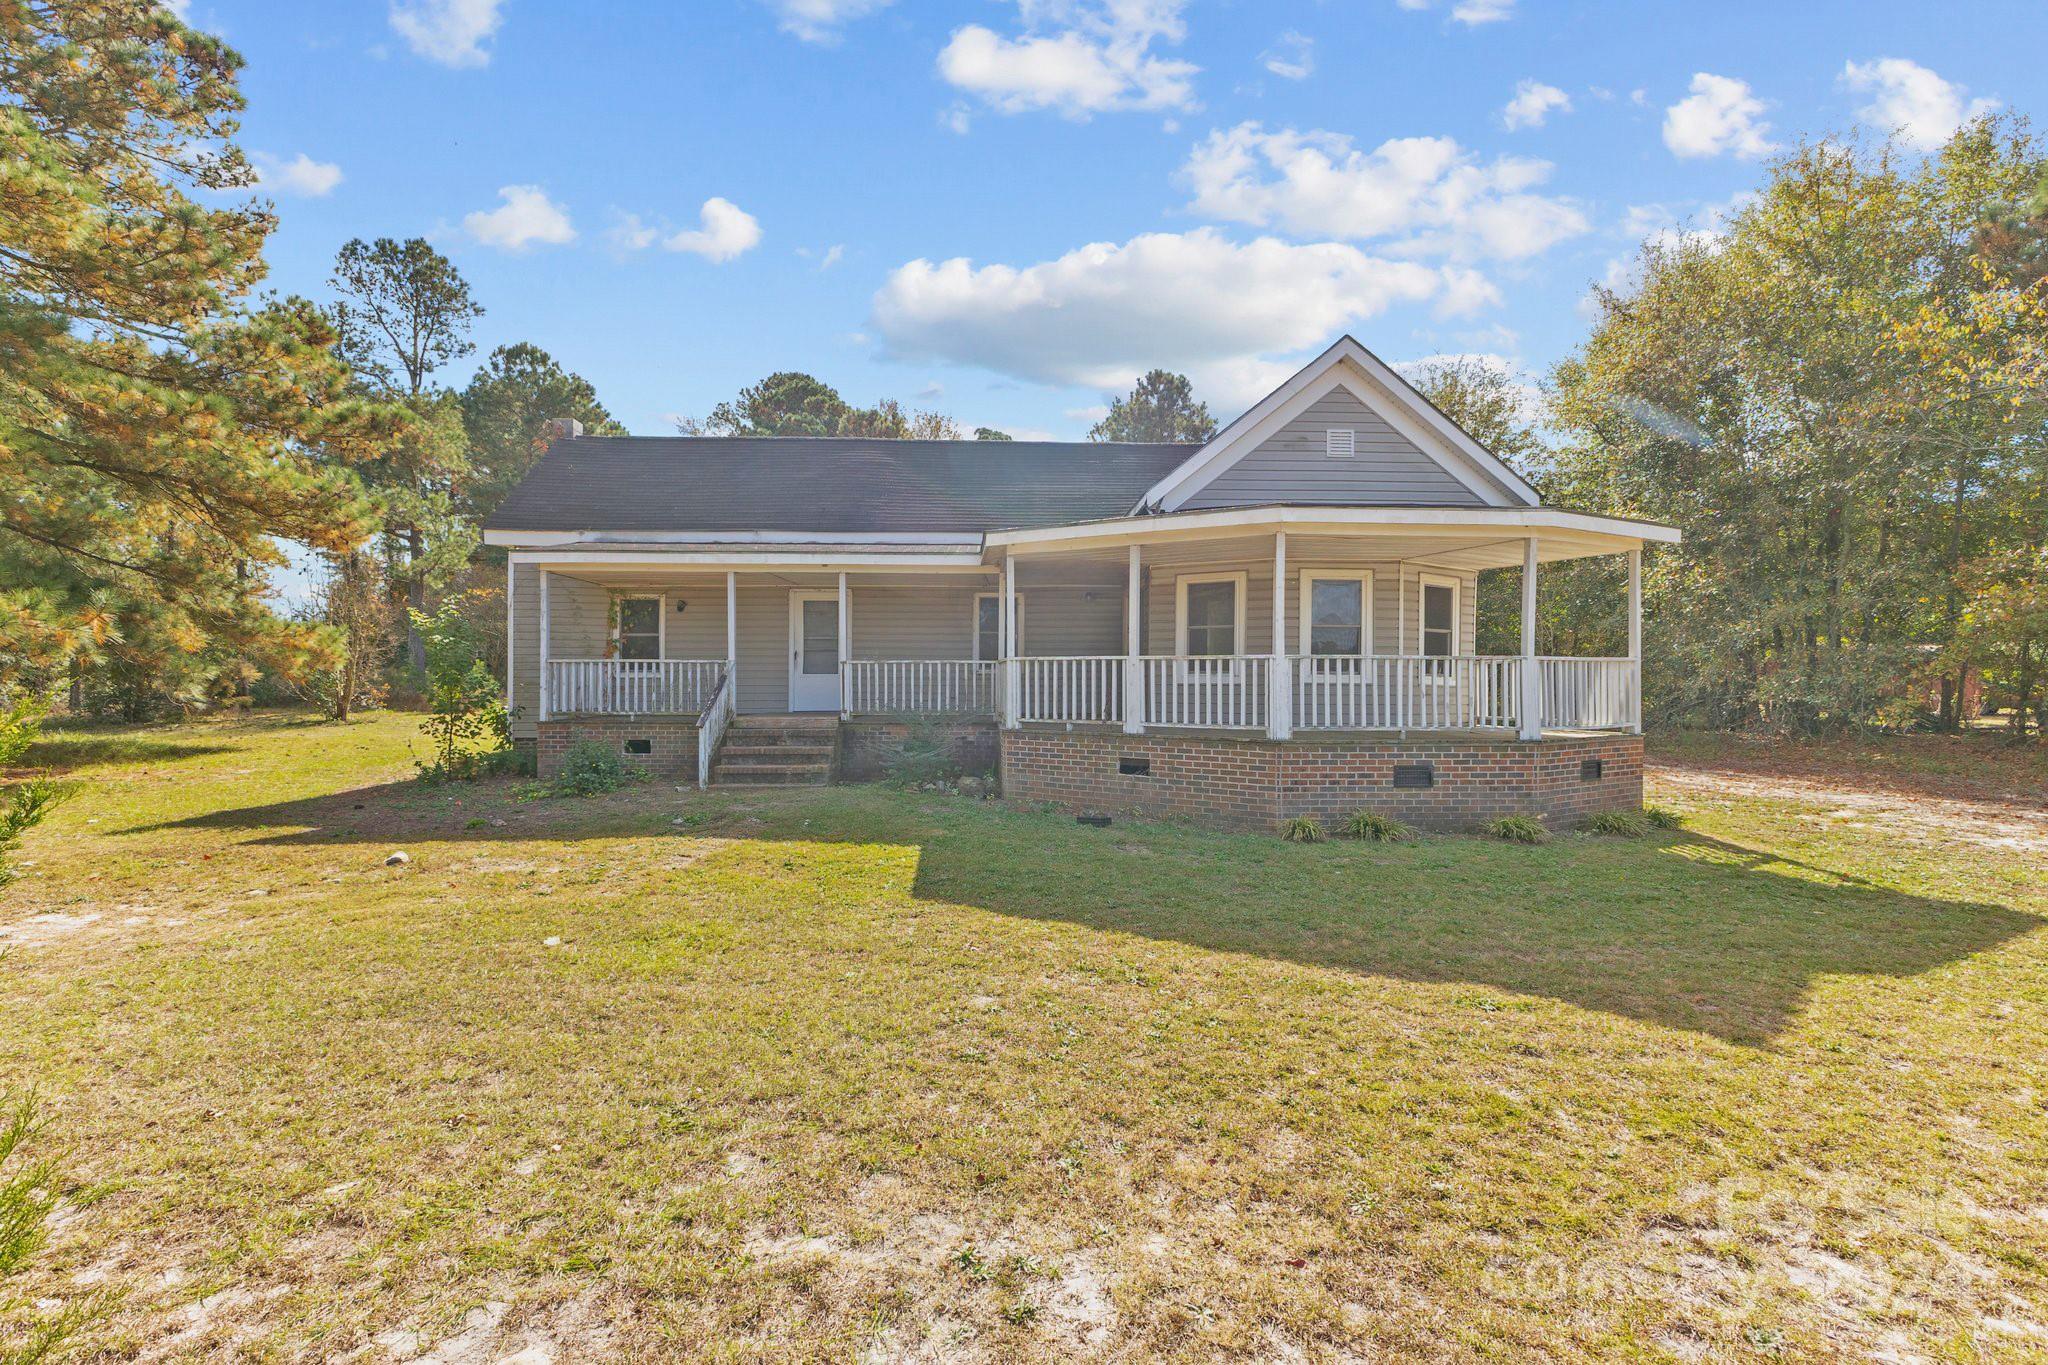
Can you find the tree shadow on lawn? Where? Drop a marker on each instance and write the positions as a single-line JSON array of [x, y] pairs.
[[1683, 930]]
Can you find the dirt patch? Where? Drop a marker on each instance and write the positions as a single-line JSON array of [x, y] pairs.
[[2012, 824]]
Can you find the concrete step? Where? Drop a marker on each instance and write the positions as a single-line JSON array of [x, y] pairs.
[[770, 774]]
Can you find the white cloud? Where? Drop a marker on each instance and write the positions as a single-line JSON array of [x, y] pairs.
[[1075, 57], [1094, 412], [834, 254], [1907, 98], [725, 230], [1427, 193], [1471, 13], [819, 21], [1227, 314], [1292, 56], [181, 8], [526, 217], [629, 233], [451, 32], [1533, 104], [301, 175], [1720, 115], [1482, 11]]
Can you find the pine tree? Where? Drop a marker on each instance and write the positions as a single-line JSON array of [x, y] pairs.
[[1161, 407], [504, 409], [156, 431]]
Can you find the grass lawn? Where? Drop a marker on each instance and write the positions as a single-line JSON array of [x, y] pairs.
[[848, 1073]]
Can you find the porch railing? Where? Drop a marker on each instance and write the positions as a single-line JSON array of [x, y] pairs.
[[711, 728], [1201, 692], [1407, 692], [927, 686], [1070, 688], [630, 687], [1590, 694]]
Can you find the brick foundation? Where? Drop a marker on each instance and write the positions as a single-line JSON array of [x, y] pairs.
[[1254, 784], [672, 741], [867, 748]]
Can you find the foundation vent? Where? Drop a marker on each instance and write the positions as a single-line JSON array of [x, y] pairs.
[[1414, 774]]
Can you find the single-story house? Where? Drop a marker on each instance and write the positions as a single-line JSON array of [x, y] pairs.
[[1277, 621]]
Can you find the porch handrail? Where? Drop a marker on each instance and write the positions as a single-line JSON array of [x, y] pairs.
[[1407, 692], [711, 728], [631, 687], [1590, 693], [1076, 687], [1190, 691], [921, 687]]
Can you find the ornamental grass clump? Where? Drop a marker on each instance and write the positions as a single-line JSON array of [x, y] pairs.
[[1623, 824], [1375, 828], [1519, 829], [1661, 818], [1303, 829]]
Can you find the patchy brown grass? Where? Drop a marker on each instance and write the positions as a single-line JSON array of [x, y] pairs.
[[854, 1073]]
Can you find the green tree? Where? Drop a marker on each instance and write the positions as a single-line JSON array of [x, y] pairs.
[[791, 403], [505, 409], [991, 434], [156, 434], [1817, 398], [468, 721], [1161, 407], [403, 312]]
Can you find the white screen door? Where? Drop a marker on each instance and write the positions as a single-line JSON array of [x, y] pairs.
[[814, 651]]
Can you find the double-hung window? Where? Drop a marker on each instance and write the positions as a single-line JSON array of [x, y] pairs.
[[639, 633], [1209, 618]]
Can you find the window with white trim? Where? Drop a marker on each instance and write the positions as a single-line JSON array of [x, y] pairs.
[[1340, 443], [639, 630], [1209, 615], [1439, 616], [988, 625], [1336, 613]]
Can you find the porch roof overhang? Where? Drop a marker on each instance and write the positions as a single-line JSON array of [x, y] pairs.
[[1483, 537], [702, 556]]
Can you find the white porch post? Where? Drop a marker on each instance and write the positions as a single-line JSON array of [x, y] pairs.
[[1008, 625], [1279, 688], [1635, 639], [511, 641], [732, 634], [845, 649], [1532, 682], [544, 697], [1134, 678]]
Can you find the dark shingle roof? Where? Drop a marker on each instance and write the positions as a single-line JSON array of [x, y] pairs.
[[690, 483]]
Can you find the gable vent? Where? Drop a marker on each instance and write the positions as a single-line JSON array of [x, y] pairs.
[[1340, 442]]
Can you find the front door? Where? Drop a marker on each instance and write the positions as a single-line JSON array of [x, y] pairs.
[[814, 651]]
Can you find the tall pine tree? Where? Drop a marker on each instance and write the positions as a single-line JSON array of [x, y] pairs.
[[156, 432]]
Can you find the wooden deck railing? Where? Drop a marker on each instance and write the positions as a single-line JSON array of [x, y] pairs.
[[1407, 692], [1591, 694]]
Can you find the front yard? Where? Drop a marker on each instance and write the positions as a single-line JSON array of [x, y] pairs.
[[853, 1073]]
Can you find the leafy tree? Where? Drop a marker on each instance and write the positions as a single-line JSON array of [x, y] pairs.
[[1494, 407], [1839, 401], [790, 403], [991, 434], [351, 600], [2004, 631], [505, 409], [155, 435], [404, 311], [1161, 407]]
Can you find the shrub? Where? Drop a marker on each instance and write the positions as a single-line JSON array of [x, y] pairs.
[[28, 1196], [1660, 818], [469, 720], [1519, 829], [923, 758], [592, 769], [1625, 824], [1303, 829], [1376, 828]]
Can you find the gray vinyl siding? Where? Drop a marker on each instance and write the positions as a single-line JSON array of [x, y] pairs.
[[1291, 466]]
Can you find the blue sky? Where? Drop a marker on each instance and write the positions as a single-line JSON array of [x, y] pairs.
[[1004, 209]]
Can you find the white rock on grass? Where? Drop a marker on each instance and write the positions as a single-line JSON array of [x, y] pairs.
[[398, 859]]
